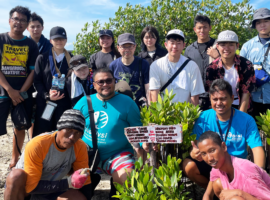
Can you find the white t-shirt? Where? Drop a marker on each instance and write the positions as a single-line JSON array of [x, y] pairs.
[[188, 83], [231, 76]]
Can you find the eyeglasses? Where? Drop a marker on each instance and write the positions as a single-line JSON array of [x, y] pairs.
[[102, 82], [17, 20], [147, 38], [78, 62], [127, 48]]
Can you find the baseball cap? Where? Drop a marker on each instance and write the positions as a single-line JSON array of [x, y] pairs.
[[175, 32], [261, 13], [105, 32], [227, 36], [126, 38], [78, 61], [58, 32]]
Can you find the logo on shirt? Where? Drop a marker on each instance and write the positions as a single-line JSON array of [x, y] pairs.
[[101, 119], [14, 59]]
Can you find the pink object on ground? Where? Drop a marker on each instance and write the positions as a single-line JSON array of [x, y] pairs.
[[77, 179], [248, 177]]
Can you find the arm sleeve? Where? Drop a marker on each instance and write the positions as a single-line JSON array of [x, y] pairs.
[[249, 81], [197, 128], [154, 82], [81, 158], [253, 136], [38, 77], [196, 85], [214, 175], [33, 158], [33, 54], [133, 115], [92, 62], [145, 67]]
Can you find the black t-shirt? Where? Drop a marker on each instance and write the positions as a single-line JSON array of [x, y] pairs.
[[17, 60], [100, 59]]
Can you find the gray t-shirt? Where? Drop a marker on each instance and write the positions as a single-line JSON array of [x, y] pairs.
[[100, 59]]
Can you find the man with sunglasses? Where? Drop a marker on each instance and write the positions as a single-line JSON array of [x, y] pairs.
[[18, 54], [132, 69], [113, 113]]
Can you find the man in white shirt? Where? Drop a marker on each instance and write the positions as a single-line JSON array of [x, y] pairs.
[[188, 85]]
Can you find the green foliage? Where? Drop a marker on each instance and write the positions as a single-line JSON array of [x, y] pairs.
[[140, 185], [263, 122], [165, 112], [169, 14]]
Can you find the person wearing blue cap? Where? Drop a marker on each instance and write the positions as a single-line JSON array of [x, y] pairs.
[[257, 51]]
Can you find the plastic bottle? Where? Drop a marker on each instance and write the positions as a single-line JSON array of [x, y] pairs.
[[61, 83], [55, 82]]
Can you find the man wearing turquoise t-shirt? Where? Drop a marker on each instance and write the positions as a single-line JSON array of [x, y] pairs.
[[237, 129], [113, 113]]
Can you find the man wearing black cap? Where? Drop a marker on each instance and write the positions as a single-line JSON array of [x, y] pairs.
[[79, 80], [54, 62], [17, 61], [257, 51], [132, 69], [107, 54], [44, 167]]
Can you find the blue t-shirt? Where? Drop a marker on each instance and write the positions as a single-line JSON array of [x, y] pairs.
[[111, 117], [122, 72], [243, 131]]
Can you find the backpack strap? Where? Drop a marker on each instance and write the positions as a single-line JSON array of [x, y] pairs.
[[175, 74], [92, 122]]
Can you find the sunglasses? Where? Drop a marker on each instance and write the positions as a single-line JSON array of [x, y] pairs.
[[105, 32], [102, 82], [79, 62]]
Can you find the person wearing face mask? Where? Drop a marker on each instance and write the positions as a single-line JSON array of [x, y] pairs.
[[151, 49], [79, 79], [55, 61], [108, 52]]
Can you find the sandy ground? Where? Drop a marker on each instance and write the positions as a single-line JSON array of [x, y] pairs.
[[102, 190]]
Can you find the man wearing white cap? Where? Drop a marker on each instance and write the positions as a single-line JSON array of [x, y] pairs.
[[238, 71], [175, 71]]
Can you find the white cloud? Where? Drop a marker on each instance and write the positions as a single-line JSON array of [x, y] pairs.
[[104, 4]]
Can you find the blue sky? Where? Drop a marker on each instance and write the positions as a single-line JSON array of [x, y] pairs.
[[72, 15]]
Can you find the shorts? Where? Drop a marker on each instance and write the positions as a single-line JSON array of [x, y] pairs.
[[5, 108], [117, 162], [203, 167]]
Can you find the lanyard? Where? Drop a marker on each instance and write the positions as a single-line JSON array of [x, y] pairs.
[[229, 126]]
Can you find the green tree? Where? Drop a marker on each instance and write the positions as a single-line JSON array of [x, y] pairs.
[[169, 14]]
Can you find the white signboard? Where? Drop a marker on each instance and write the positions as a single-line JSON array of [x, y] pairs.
[[155, 134]]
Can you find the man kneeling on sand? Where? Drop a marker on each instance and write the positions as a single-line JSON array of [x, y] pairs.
[[233, 178], [43, 168]]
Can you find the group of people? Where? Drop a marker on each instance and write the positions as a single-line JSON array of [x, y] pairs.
[[230, 89]]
